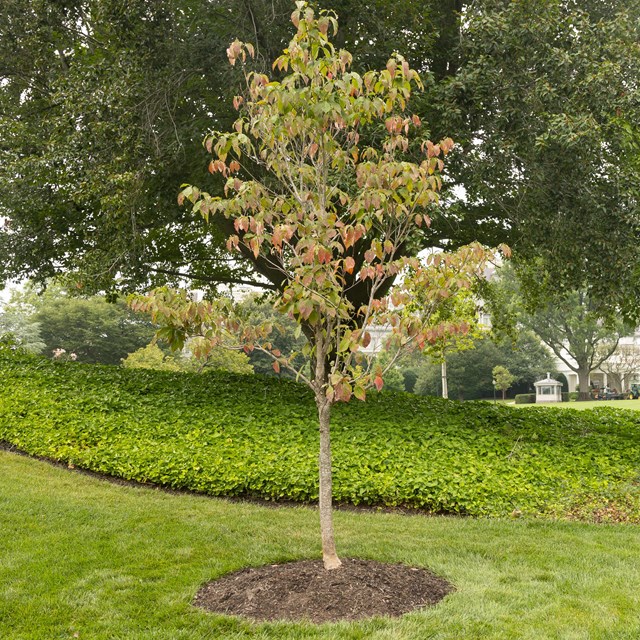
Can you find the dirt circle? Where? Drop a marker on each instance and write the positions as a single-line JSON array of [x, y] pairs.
[[305, 591]]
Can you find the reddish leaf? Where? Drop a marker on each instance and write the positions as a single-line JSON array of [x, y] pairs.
[[349, 264], [323, 25], [391, 67], [276, 366], [305, 308], [378, 382]]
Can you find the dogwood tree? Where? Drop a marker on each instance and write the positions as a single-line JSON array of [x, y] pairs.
[[321, 198]]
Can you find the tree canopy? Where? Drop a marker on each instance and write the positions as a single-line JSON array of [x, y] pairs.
[[103, 107], [91, 328], [545, 107], [329, 220]]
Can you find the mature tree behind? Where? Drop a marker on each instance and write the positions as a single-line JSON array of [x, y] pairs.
[[578, 335], [95, 330], [569, 323], [103, 106], [542, 97]]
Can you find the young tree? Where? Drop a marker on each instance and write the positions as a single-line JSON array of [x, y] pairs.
[[331, 223], [502, 379]]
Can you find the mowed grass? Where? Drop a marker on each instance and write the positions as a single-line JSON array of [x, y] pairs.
[[633, 405], [84, 558]]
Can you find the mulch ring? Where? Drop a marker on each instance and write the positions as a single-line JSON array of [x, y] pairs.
[[306, 591]]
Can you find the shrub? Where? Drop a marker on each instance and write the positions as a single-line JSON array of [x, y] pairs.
[[573, 395], [233, 435], [525, 398]]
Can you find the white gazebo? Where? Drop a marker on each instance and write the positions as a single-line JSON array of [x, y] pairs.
[[548, 390]]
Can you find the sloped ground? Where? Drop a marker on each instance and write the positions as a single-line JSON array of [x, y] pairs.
[[249, 436]]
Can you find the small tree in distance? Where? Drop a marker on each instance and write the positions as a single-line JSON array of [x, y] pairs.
[[461, 308], [323, 217], [502, 379]]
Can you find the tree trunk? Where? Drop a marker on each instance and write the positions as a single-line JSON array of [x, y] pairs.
[[445, 386], [583, 384], [329, 555], [504, 394]]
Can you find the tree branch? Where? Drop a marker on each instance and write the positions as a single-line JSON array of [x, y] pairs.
[[220, 279]]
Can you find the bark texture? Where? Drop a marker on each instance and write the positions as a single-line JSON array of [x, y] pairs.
[[329, 555], [583, 384], [445, 385]]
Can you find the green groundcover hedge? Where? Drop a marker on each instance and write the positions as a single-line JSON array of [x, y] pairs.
[[232, 435]]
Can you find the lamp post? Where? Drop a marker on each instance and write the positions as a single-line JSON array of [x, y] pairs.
[[494, 391]]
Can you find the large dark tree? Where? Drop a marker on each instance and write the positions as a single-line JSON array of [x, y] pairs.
[[103, 107], [543, 98], [102, 104]]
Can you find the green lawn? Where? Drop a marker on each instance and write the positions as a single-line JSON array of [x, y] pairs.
[[83, 558], [633, 405], [589, 404]]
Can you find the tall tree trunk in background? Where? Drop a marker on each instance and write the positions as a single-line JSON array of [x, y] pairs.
[[443, 373], [583, 383], [446, 19]]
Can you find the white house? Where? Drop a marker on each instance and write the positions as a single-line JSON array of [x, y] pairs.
[[619, 372]]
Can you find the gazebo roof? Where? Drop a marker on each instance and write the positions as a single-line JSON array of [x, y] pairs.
[[548, 381]]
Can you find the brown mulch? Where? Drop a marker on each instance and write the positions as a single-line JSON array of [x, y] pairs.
[[306, 591]]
